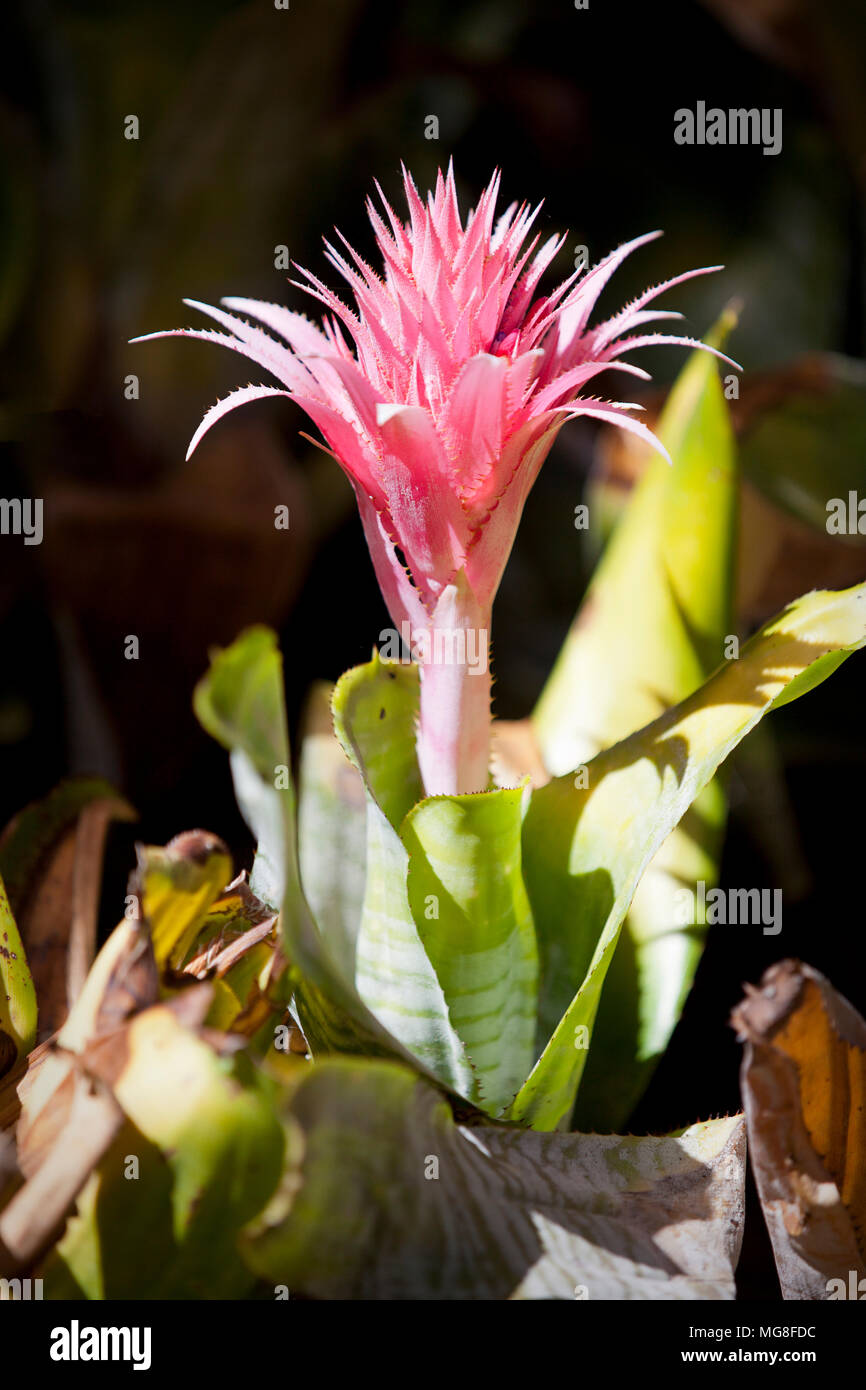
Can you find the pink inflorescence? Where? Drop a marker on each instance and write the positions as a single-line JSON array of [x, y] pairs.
[[441, 393]]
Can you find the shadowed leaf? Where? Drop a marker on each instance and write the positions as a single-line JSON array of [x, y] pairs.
[[388, 1198], [208, 1149]]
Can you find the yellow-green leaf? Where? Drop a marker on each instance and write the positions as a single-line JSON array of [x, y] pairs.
[[586, 849], [17, 995], [651, 628]]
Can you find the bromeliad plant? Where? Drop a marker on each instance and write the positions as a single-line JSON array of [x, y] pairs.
[[476, 940], [484, 920]]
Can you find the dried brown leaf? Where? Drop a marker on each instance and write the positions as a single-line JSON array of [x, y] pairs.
[[804, 1091], [36, 1213]]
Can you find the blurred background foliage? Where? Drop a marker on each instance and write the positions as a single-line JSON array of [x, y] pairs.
[[261, 128]]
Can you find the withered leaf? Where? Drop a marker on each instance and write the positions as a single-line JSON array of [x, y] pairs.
[[35, 1214], [122, 983], [804, 1090], [51, 860]]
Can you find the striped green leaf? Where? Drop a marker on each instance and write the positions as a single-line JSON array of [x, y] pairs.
[[470, 904], [375, 708], [240, 702], [332, 829]]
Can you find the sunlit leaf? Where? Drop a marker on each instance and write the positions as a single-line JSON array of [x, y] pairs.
[[178, 884], [17, 996], [651, 628], [586, 848], [375, 711], [470, 905]]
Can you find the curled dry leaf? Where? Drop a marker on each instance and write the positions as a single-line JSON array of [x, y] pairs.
[[51, 861], [200, 1123], [35, 1214], [804, 1091], [69, 1117], [8, 1163], [123, 981]]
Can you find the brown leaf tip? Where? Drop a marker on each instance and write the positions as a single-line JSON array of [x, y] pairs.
[[196, 845], [767, 1006]]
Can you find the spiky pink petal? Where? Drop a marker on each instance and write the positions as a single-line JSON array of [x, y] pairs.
[[440, 394]]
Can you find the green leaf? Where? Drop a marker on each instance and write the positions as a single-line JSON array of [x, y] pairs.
[[332, 830], [178, 883], [652, 969], [386, 1197], [210, 1151], [446, 953], [17, 995], [375, 711], [585, 850], [469, 902], [653, 620], [240, 703], [651, 628]]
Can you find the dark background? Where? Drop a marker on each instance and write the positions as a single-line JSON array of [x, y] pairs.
[[261, 127]]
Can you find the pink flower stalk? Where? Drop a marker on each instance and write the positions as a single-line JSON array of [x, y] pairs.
[[440, 396]]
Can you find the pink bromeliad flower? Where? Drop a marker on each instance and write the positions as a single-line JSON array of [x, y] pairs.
[[440, 396]]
